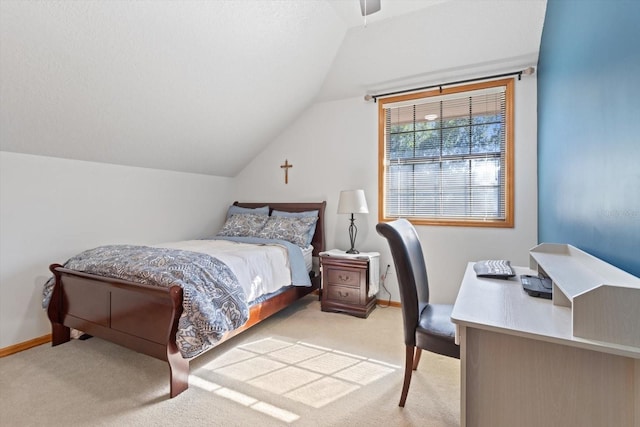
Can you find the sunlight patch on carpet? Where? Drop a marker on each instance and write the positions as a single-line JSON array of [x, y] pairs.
[[364, 373], [244, 399], [349, 354], [321, 392], [232, 356], [266, 345], [328, 363], [199, 382], [250, 368], [295, 353], [275, 412], [284, 380], [236, 396], [305, 373]]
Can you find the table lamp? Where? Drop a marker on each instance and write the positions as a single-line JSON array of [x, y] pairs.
[[352, 202]]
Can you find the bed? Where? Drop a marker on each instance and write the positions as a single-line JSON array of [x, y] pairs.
[[145, 318]]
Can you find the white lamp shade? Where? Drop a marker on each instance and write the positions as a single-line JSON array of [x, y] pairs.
[[352, 201]]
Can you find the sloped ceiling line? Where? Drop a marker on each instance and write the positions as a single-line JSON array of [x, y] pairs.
[[202, 87]]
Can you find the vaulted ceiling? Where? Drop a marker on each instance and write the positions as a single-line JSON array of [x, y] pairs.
[[203, 86]]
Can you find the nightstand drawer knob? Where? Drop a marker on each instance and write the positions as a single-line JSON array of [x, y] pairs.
[[344, 278], [343, 294]]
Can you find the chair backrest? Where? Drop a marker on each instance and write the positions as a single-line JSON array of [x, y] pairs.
[[410, 269]]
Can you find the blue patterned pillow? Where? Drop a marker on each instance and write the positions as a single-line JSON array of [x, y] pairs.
[[312, 229], [291, 229], [243, 225]]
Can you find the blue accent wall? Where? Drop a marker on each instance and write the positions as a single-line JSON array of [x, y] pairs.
[[589, 129]]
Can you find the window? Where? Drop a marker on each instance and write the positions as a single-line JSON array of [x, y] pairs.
[[446, 157]]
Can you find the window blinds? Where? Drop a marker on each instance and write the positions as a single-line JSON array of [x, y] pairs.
[[445, 156]]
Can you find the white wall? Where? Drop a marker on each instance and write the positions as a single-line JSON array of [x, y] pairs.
[[334, 146], [51, 209]]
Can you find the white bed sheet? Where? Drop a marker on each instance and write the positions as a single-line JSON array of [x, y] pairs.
[[260, 269]]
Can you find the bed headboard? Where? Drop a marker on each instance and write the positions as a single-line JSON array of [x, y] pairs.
[[318, 238]]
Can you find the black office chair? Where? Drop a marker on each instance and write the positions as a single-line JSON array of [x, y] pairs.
[[426, 326]]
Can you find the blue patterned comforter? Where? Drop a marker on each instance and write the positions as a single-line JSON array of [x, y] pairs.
[[213, 301]]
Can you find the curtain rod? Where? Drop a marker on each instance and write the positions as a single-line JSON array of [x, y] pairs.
[[527, 72]]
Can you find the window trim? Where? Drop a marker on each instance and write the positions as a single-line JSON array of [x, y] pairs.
[[509, 220]]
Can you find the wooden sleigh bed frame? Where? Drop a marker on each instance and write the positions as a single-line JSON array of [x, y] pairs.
[[145, 318]]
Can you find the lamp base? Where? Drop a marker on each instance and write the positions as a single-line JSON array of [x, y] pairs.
[[353, 232]]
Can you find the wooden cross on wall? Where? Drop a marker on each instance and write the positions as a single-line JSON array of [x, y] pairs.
[[286, 167]]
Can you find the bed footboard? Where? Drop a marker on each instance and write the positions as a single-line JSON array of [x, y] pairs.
[[139, 317]]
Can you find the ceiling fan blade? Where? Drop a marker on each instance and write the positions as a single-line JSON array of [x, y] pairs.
[[367, 7]]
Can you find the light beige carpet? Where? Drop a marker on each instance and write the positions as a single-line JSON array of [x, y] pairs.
[[302, 367]]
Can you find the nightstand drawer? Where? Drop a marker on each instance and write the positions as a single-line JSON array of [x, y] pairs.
[[343, 294], [343, 277]]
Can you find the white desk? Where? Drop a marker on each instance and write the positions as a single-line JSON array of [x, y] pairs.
[[522, 364]]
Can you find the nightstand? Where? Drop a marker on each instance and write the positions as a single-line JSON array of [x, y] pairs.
[[349, 282]]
